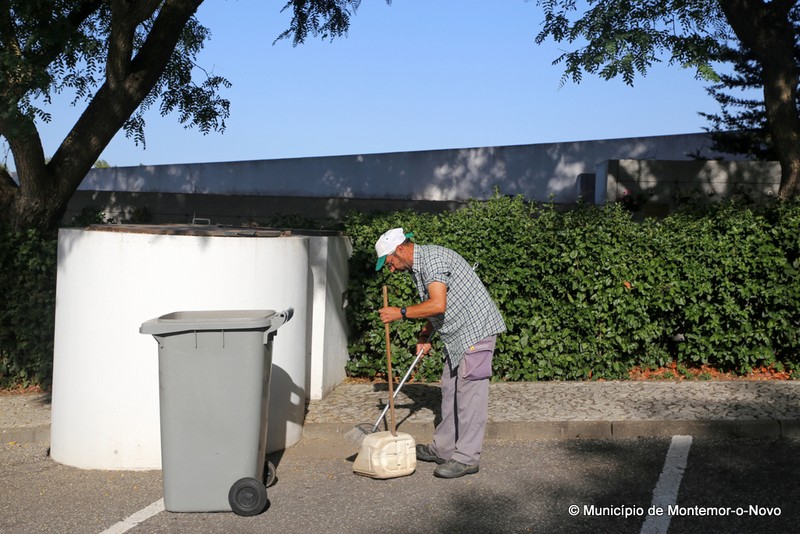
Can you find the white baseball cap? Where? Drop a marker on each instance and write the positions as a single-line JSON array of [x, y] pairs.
[[387, 243]]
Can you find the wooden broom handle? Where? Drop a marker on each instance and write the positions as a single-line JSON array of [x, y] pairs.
[[389, 368]]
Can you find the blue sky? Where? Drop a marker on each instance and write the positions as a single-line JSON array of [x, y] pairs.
[[416, 75]]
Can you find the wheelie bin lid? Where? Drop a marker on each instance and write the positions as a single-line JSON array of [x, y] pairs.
[[188, 321]]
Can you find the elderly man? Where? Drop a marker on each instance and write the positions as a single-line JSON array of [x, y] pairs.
[[456, 303]]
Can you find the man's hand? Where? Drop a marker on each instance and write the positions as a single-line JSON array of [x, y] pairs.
[[423, 346], [390, 313]]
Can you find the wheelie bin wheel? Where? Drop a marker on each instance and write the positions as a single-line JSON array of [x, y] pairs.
[[248, 496], [269, 475]]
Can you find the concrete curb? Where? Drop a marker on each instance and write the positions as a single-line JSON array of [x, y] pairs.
[[542, 430], [534, 430], [33, 434], [528, 411]]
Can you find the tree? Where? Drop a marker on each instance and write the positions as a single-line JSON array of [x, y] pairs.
[[624, 38], [740, 127], [118, 58]]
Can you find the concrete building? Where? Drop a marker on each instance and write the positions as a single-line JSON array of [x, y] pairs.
[[245, 192]]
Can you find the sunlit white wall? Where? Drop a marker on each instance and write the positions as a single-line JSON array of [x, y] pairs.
[[105, 412]]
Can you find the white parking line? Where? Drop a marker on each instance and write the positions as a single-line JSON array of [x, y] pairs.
[[666, 491], [133, 520]]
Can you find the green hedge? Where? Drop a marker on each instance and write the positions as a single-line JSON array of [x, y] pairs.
[[27, 314], [589, 293], [586, 293]]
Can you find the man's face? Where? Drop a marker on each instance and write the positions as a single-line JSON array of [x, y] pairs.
[[398, 261]]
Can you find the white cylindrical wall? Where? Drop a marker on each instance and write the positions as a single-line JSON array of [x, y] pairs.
[[105, 412]]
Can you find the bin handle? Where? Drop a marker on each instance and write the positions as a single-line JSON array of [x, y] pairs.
[[278, 320]]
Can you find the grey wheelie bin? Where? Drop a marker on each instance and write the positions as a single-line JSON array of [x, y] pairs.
[[214, 371]]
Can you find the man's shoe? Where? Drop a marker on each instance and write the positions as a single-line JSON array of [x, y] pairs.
[[425, 454], [454, 469]]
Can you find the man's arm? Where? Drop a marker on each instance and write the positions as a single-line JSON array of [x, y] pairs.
[[435, 305]]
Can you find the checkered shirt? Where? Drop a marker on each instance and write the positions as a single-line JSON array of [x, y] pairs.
[[471, 315]]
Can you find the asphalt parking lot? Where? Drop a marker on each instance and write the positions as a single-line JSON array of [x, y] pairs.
[[701, 485]]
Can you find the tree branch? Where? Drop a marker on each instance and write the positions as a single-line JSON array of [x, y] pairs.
[[165, 34], [37, 58], [7, 28], [10, 45], [8, 181], [125, 18], [32, 173], [50, 51], [783, 6], [123, 91]]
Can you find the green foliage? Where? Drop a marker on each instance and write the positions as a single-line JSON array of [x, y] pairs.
[[118, 60], [367, 351], [620, 38], [589, 293], [586, 293], [69, 44], [196, 104], [326, 19], [623, 38], [298, 221], [27, 316], [88, 216]]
